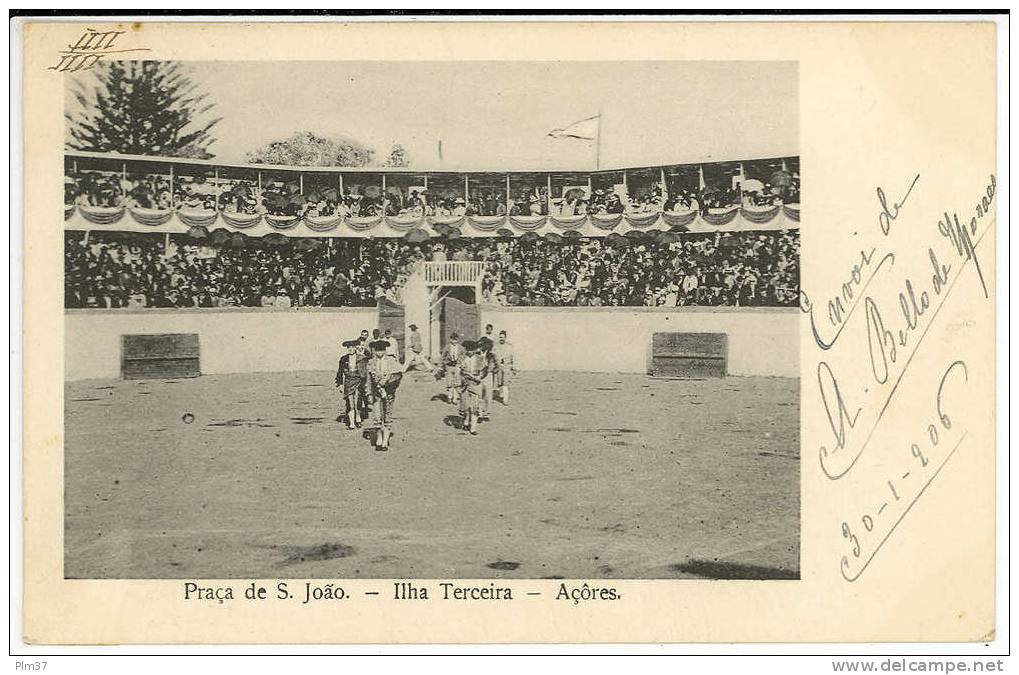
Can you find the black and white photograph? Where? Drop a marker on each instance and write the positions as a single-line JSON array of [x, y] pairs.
[[493, 333], [421, 320]]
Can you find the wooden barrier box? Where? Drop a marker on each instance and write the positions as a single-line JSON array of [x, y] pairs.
[[159, 356], [689, 354]]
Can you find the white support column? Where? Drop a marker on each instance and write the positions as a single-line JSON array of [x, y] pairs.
[[172, 198]]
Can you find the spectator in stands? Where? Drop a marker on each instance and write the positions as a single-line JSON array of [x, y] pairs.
[[747, 268]]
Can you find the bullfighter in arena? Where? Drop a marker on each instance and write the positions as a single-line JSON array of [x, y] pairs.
[[491, 373], [364, 354], [451, 363], [350, 378], [394, 346], [472, 372], [384, 375], [503, 351]]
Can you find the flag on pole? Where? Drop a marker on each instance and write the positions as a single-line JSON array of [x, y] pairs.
[[585, 129]]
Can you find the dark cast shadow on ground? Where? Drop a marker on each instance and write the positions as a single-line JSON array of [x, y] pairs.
[[714, 569]]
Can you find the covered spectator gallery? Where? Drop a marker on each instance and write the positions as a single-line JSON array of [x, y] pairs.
[[160, 232]]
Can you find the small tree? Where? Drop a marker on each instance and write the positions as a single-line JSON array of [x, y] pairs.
[[397, 156], [307, 149], [140, 108]]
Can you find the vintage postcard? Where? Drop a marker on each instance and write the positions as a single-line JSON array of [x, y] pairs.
[[509, 332]]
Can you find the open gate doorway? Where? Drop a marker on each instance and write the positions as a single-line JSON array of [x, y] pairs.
[[455, 311], [441, 298]]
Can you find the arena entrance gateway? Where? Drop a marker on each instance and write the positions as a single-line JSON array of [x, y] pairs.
[[440, 298]]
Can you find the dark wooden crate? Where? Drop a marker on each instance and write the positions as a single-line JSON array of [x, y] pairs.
[[689, 354], [159, 356]]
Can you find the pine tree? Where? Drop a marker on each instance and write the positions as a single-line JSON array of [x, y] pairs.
[[397, 156], [141, 108]]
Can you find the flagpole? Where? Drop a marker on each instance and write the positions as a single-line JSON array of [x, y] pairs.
[[597, 150]]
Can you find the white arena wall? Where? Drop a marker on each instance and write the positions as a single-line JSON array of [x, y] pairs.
[[762, 341], [230, 340]]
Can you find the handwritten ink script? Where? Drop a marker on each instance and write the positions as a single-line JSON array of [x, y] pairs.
[[887, 303], [91, 47]]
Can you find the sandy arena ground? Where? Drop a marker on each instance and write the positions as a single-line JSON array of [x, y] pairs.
[[583, 476]]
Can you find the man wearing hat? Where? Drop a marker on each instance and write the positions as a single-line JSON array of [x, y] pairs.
[[472, 372], [364, 354], [489, 376], [384, 374], [451, 356], [503, 351], [485, 345], [394, 347], [415, 353], [350, 377]]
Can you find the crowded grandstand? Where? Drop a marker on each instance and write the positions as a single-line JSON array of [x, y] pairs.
[[148, 232]]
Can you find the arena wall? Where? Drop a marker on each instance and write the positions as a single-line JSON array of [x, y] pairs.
[[762, 340], [231, 340]]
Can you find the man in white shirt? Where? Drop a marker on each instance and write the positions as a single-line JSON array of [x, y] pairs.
[[415, 351], [394, 346], [384, 375], [503, 351]]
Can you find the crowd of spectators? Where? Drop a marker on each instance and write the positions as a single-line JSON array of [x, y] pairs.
[[125, 270], [137, 270], [281, 199], [740, 269], [94, 188]]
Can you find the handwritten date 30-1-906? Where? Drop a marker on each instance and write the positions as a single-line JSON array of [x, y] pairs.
[[894, 321], [915, 468]]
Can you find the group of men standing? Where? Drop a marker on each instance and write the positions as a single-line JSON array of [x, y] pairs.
[[369, 375], [370, 372], [475, 370]]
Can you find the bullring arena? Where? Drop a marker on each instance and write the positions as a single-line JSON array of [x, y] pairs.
[[218, 450]]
